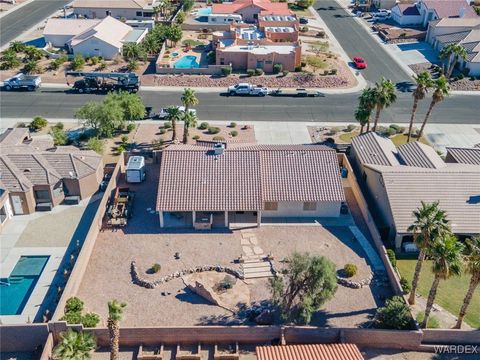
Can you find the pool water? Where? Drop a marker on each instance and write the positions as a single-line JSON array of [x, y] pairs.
[[204, 11], [22, 280], [187, 62], [174, 54]]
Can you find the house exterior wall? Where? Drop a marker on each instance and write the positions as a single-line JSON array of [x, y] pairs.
[[434, 31], [249, 13], [401, 19], [7, 208], [101, 13], [474, 68], [282, 37], [384, 4], [57, 40], [96, 47], [27, 199], [216, 19], [295, 209]]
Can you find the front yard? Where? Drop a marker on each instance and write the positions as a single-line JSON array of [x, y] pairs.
[[450, 292]]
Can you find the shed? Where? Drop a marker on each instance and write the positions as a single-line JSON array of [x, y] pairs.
[[135, 170]]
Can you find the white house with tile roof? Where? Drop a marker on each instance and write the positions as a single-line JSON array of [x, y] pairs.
[[119, 9]]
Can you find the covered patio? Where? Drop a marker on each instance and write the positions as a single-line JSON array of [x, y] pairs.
[[205, 220]]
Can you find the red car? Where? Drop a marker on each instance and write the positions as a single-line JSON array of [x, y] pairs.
[[360, 62]]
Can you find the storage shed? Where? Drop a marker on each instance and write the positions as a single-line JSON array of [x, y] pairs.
[[135, 171]]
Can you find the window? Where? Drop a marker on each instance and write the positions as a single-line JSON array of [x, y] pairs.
[[139, 13], [309, 206], [148, 14], [213, 19], [222, 61], [268, 62], [42, 196], [270, 205]]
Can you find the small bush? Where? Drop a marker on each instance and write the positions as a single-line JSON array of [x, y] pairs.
[[285, 72], [78, 62], [234, 133], [298, 68], [196, 137], [204, 126], [277, 68], [38, 123], [132, 65], [392, 257], [258, 72], [218, 138], [124, 138], [96, 145], [303, 63], [233, 124], [155, 268], [59, 126], [250, 72], [32, 67], [94, 60], [102, 65], [59, 136], [351, 127], [74, 304], [432, 322], [162, 131], [90, 320], [405, 285], [227, 70], [121, 149], [394, 315], [321, 34], [167, 125], [72, 317], [304, 29], [350, 270], [22, 125], [130, 127], [213, 130], [180, 17]]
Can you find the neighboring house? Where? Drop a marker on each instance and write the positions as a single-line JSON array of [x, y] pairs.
[[424, 11], [39, 175], [463, 155], [384, 4], [103, 38], [247, 183], [399, 179], [463, 31], [250, 10], [119, 9]]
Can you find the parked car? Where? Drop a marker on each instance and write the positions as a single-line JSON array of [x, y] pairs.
[[296, 93], [163, 114], [382, 12], [247, 89], [303, 21], [22, 81], [360, 62]]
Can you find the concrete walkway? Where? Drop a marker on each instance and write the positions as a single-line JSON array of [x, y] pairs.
[[372, 255]]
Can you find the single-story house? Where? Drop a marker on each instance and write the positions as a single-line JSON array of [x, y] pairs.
[[397, 181], [35, 176], [247, 183], [463, 155], [424, 11], [92, 37], [384, 4], [119, 9], [336, 351], [250, 10]]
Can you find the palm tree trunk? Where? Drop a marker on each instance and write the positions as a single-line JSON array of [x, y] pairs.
[[185, 133], [377, 117], [174, 129], [114, 331], [361, 128], [429, 112], [368, 125], [412, 119], [416, 277], [474, 281], [452, 67], [431, 298]]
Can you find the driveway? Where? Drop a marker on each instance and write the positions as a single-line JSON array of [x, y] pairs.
[[416, 52]]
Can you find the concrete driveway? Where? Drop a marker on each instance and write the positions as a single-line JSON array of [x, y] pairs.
[[416, 52]]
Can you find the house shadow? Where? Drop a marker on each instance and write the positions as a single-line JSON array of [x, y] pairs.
[[323, 318]]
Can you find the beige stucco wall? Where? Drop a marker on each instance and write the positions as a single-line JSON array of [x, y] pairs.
[[5, 203], [295, 209], [248, 13], [96, 47], [27, 199], [101, 13]]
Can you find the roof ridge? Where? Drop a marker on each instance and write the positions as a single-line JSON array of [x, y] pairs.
[[17, 174], [79, 158]]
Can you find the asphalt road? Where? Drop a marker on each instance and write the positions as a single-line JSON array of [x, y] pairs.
[[356, 41], [57, 104], [19, 21]]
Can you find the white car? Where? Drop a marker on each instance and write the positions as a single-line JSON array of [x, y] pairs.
[[163, 114], [382, 12]]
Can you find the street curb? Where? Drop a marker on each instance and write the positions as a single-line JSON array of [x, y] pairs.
[[8, 12]]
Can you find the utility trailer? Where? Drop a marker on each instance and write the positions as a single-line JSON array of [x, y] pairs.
[[296, 93], [103, 82], [120, 209]]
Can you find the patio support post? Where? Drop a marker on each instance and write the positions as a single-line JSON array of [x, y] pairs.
[[226, 219], [194, 217], [160, 215], [259, 218]]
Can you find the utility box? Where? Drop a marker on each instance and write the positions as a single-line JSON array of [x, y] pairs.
[[135, 171]]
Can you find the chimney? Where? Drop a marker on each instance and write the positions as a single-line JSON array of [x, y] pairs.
[[461, 12]]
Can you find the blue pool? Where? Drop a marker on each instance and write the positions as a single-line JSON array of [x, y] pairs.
[[186, 62], [22, 280], [204, 11]]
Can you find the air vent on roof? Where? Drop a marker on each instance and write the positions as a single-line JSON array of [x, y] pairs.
[[27, 170], [218, 148]]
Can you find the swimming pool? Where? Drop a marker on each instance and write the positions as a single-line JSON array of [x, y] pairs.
[[204, 11], [22, 281], [186, 62]]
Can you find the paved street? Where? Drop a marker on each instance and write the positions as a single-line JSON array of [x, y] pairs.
[[19, 21], [56, 104]]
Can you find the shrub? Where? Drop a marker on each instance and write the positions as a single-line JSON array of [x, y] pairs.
[[180, 17], [74, 304], [227, 70], [350, 270], [392, 257], [155, 268], [432, 322], [234, 133], [394, 315], [258, 72], [298, 68], [211, 57], [78, 62], [398, 129], [94, 60], [130, 127], [213, 130], [351, 127], [250, 72], [285, 72], [334, 71], [167, 125], [390, 132], [162, 131], [218, 138], [305, 3], [157, 144], [124, 138], [102, 65], [405, 285], [38, 123], [59, 136], [132, 65], [304, 29], [90, 320], [22, 125], [233, 124], [277, 68], [59, 125], [72, 317], [321, 34], [196, 137], [121, 149], [203, 126], [96, 145], [31, 67]]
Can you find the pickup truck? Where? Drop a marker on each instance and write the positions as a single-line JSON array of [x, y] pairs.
[[247, 89], [22, 81], [163, 114], [296, 93]]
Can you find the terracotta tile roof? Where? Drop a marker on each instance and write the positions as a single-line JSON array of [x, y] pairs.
[[450, 8], [35, 168], [12, 178], [14, 136], [111, 4], [244, 176], [265, 6], [374, 149], [310, 352], [465, 155], [417, 154]]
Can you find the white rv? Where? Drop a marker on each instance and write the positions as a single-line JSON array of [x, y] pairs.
[[135, 171]]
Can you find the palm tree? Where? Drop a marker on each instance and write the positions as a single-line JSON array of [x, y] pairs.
[[452, 52], [424, 81], [367, 102], [430, 222], [188, 98], [441, 90], [190, 120], [446, 255], [150, 45], [362, 115], [74, 346], [115, 311], [174, 115], [17, 46], [472, 262], [384, 97]]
